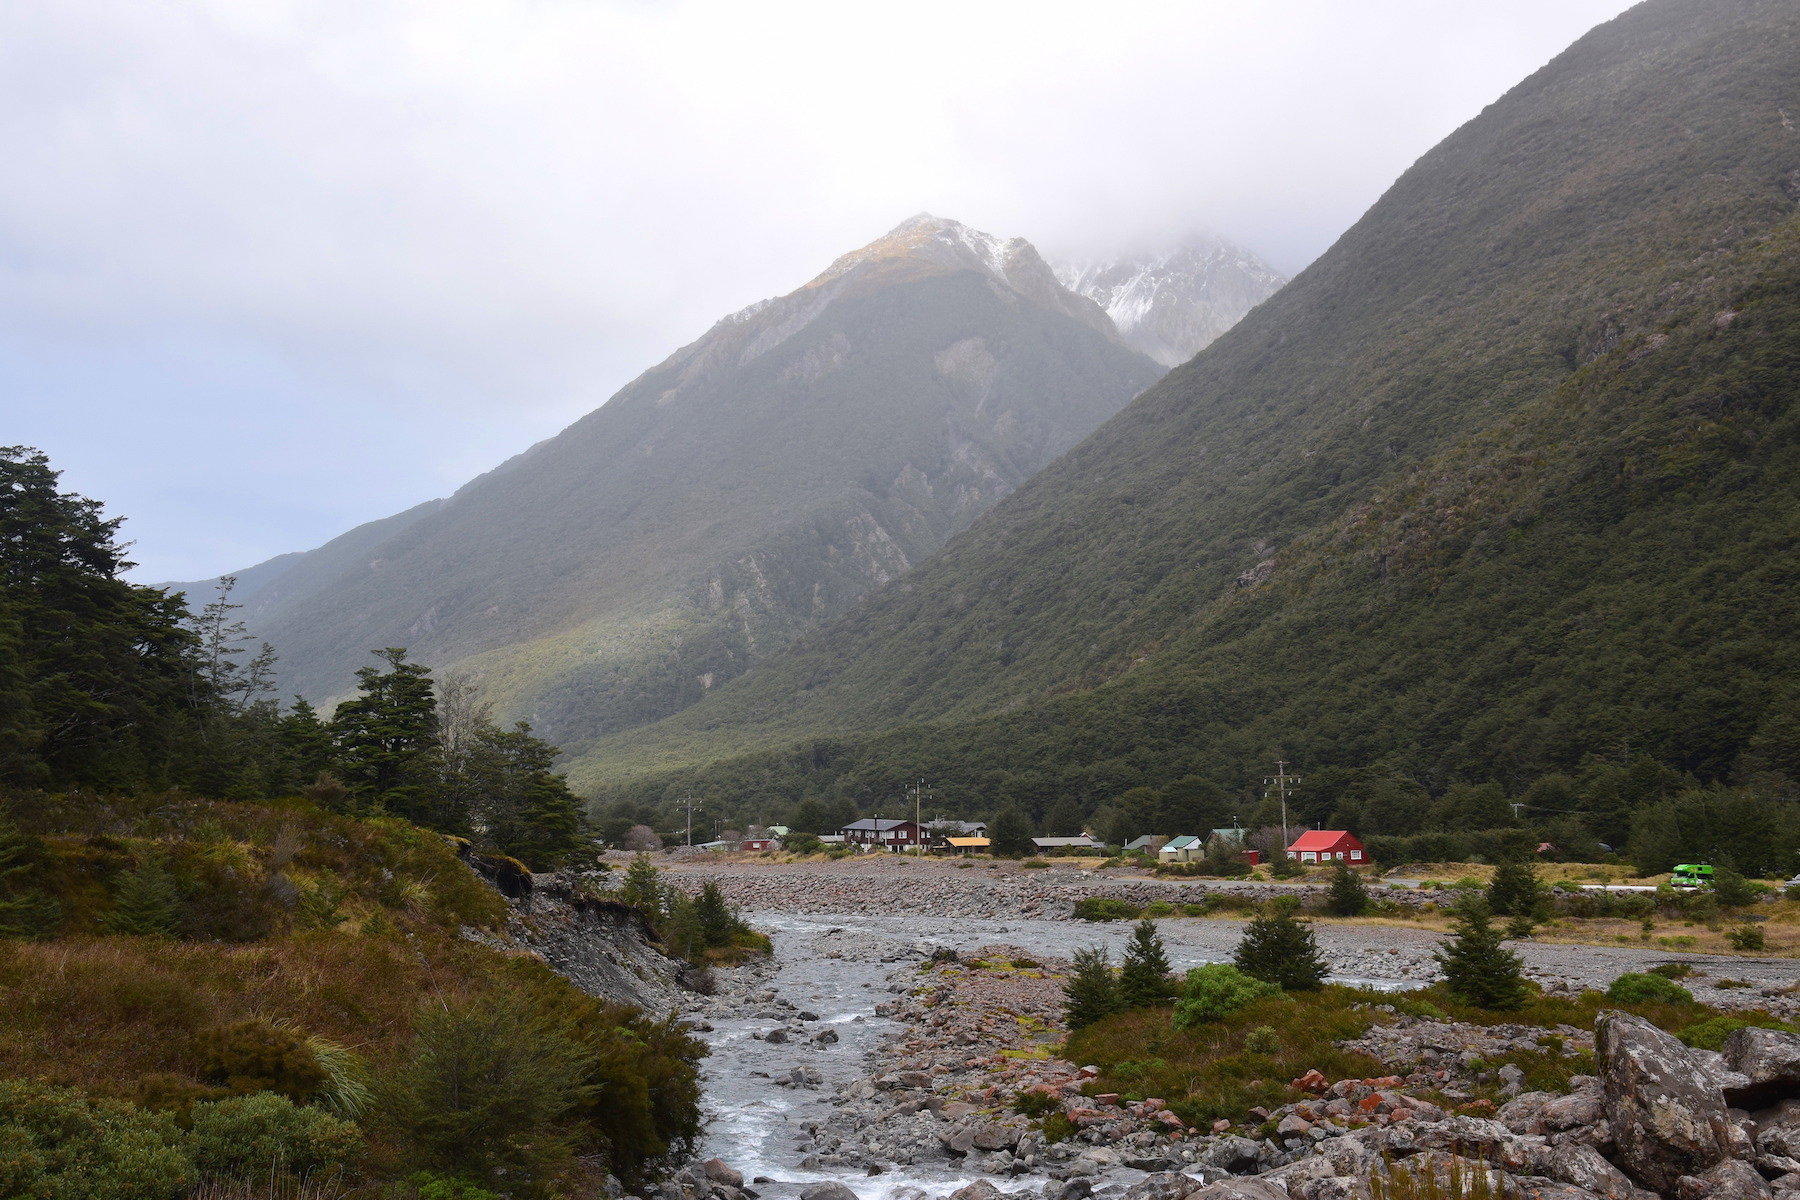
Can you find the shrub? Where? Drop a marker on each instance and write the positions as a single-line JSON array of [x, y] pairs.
[[257, 1056], [1515, 890], [1280, 950], [437, 1187], [1104, 908], [1262, 1040], [55, 1142], [146, 903], [1217, 990], [264, 1135], [1160, 908], [1711, 1033], [1058, 1127], [1732, 890], [1034, 864], [1750, 937], [486, 1087], [1034, 1103], [1635, 987], [1675, 970], [1091, 993]]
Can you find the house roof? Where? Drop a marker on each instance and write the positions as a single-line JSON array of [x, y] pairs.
[[946, 825], [1052, 843], [874, 825], [1182, 842], [1324, 839], [968, 843], [1148, 839]]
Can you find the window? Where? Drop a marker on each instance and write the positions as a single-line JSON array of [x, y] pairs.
[[1356, 856]]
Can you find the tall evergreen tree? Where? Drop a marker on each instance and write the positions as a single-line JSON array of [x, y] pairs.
[[1064, 818], [1091, 993], [1280, 950], [1144, 978], [98, 681], [385, 738], [1478, 970], [26, 910], [1009, 833], [306, 741], [146, 902], [642, 889], [718, 923], [523, 808], [1348, 897]]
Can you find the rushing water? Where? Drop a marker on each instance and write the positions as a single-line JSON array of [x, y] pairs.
[[757, 1126]]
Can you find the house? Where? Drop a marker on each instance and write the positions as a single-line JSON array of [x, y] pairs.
[[1328, 845], [831, 839], [762, 843], [1233, 834], [1185, 848], [1066, 844], [944, 827], [1149, 843], [880, 834], [966, 845]]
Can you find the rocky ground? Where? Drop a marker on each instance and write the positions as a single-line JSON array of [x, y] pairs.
[[977, 1032]]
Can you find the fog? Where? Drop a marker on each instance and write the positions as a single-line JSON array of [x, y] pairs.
[[268, 270]]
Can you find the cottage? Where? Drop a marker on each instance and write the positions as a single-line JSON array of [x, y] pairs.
[[967, 845], [1328, 845], [1149, 843], [944, 827], [761, 843], [877, 833], [1185, 848], [1067, 844]]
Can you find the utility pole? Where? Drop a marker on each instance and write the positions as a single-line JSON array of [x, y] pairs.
[[919, 790], [690, 818], [1279, 785]]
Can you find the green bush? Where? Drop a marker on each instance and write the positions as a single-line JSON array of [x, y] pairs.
[[1711, 1033], [1103, 908], [1636, 987], [1215, 991], [1750, 937], [438, 1187], [1675, 970], [259, 1056], [1262, 1040], [1280, 950], [57, 1144], [1034, 864], [264, 1135], [1034, 1103]]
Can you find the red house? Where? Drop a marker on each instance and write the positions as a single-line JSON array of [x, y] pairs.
[[1328, 845]]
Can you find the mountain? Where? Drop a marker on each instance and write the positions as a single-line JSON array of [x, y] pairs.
[[1174, 304], [1504, 486], [758, 481]]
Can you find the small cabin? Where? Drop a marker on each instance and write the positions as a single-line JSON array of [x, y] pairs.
[[1185, 848], [1328, 845]]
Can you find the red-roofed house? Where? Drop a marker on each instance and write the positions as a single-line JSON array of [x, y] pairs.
[[1327, 845]]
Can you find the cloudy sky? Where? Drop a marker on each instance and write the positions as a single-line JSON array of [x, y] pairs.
[[271, 269]]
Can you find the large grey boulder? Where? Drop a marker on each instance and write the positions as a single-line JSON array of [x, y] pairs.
[[718, 1172], [1728, 1180], [1246, 1188], [1778, 1129], [1770, 1061], [1582, 1165], [1232, 1153], [831, 1189], [1667, 1118], [1163, 1185]]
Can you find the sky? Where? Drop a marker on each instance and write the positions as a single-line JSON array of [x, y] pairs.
[[272, 269]]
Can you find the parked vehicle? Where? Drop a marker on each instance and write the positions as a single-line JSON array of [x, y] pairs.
[[1692, 875]]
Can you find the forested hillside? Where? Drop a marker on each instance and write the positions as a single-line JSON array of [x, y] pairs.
[[1503, 488]]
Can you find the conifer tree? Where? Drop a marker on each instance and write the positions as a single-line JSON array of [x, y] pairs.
[[147, 903], [1009, 834], [718, 924], [1091, 993], [26, 910], [1144, 979], [1514, 890], [1347, 897], [385, 738], [1280, 950], [1478, 970], [642, 889]]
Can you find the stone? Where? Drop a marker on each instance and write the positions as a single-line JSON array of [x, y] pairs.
[[1512, 1080], [1235, 1154], [716, 1170], [1250, 1188], [1163, 1185], [831, 1189], [1667, 1119], [1727, 1180], [1585, 1105], [1778, 1129], [1538, 1187], [981, 1189], [958, 1138], [995, 1136], [1293, 1125], [1077, 1188], [1582, 1166], [776, 1036], [1769, 1059]]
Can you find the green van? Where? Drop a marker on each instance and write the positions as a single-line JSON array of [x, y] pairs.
[[1692, 875]]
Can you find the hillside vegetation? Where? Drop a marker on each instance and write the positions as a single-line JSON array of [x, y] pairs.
[[1501, 489]]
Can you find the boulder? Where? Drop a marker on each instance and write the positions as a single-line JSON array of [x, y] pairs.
[[1524, 1113], [1233, 1153], [1250, 1188], [1539, 1187], [718, 1172], [1778, 1129], [1584, 1106], [1076, 1188], [1769, 1059], [831, 1189], [1583, 1166], [1727, 1180], [981, 1189], [995, 1136], [775, 1035], [1335, 1188], [1667, 1119], [1163, 1185]]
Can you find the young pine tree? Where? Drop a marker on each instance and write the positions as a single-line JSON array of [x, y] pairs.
[[1091, 994], [386, 739], [718, 924], [26, 910], [1348, 897], [641, 889], [1514, 890], [1144, 979], [1010, 833], [1477, 969], [147, 903], [1278, 949]]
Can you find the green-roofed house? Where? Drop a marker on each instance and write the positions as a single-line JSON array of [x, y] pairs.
[[1185, 848]]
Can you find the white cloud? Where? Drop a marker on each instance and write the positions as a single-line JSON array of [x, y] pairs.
[[358, 249]]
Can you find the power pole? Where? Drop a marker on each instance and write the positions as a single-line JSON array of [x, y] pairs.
[[1279, 785], [919, 790], [690, 818]]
